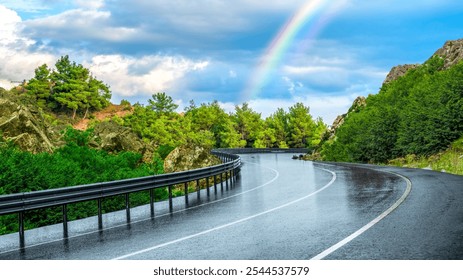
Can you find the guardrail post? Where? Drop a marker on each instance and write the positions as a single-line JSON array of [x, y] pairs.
[[198, 189], [215, 184], [226, 180], [232, 174], [221, 182], [152, 202], [100, 215], [22, 243], [171, 206], [65, 221], [127, 207], [186, 193], [207, 187], [231, 178]]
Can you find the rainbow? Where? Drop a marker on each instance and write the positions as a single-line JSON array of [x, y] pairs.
[[314, 13]]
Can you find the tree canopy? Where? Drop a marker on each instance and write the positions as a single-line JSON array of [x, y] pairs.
[[69, 87], [420, 113]]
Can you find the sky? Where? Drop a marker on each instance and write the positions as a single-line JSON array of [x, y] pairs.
[[270, 54]]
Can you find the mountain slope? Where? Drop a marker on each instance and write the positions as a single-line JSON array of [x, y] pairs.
[[418, 111]]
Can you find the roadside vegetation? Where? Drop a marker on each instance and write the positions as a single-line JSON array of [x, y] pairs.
[[73, 164], [414, 121], [416, 117], [450, 160]]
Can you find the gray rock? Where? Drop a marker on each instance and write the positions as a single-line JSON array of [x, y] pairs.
[[25, 126], [189, 157], [112, 137]]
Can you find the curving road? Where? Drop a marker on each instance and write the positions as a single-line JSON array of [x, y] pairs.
[[280, 209]]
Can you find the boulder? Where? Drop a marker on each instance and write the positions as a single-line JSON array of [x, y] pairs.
[[189, 157]]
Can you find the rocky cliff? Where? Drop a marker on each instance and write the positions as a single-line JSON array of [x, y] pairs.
[[398, 71], [451, 52], [26, 126], [358, 103]]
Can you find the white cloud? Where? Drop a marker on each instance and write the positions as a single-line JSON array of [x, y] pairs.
[[213, 17], [130, 76], [18, 63], [80, 25], [90, 4]]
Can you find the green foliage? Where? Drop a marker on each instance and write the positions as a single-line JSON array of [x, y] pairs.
[[277, 125], [164, 151], [210, 126], [420, 113], [71, 165], [250, 126], [69, 87], [162, 103], [163, 128], [301, 126]]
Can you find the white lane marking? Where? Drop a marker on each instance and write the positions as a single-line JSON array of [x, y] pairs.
[[277, 175], [354, 235], [231, 223]]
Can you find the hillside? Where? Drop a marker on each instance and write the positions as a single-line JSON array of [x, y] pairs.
[[418, 113]]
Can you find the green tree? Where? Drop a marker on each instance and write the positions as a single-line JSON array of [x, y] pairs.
[[419, 113], [40, 87], [210, 124], [300, 126], [249, 124], [162, 103], [162, 128], [74, 88], [277, 123]]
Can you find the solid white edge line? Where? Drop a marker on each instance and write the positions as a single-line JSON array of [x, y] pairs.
[[231, 223], [354, 235]]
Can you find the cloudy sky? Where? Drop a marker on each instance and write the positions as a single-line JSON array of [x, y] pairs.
[[270, 54]]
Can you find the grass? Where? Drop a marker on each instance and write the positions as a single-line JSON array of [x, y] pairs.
[[450, 161]]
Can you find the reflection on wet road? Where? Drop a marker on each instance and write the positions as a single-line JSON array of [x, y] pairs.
[[279, 209]]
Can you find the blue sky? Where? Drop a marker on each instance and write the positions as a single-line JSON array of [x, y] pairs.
[[208, 50]]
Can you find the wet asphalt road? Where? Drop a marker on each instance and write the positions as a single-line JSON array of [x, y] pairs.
[[279, 209]]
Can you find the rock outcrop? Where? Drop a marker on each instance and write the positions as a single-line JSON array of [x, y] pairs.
[[112, 137], [398, 71], [451, 52], [358, 103], [25, 126], [189, 157]]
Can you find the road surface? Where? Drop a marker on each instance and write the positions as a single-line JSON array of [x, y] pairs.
[[279, 208]]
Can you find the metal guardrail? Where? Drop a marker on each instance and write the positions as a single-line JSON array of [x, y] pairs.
[[264, 150], [21, 202]]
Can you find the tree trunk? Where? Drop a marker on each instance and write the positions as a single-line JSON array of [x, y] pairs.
[[86, 112]]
